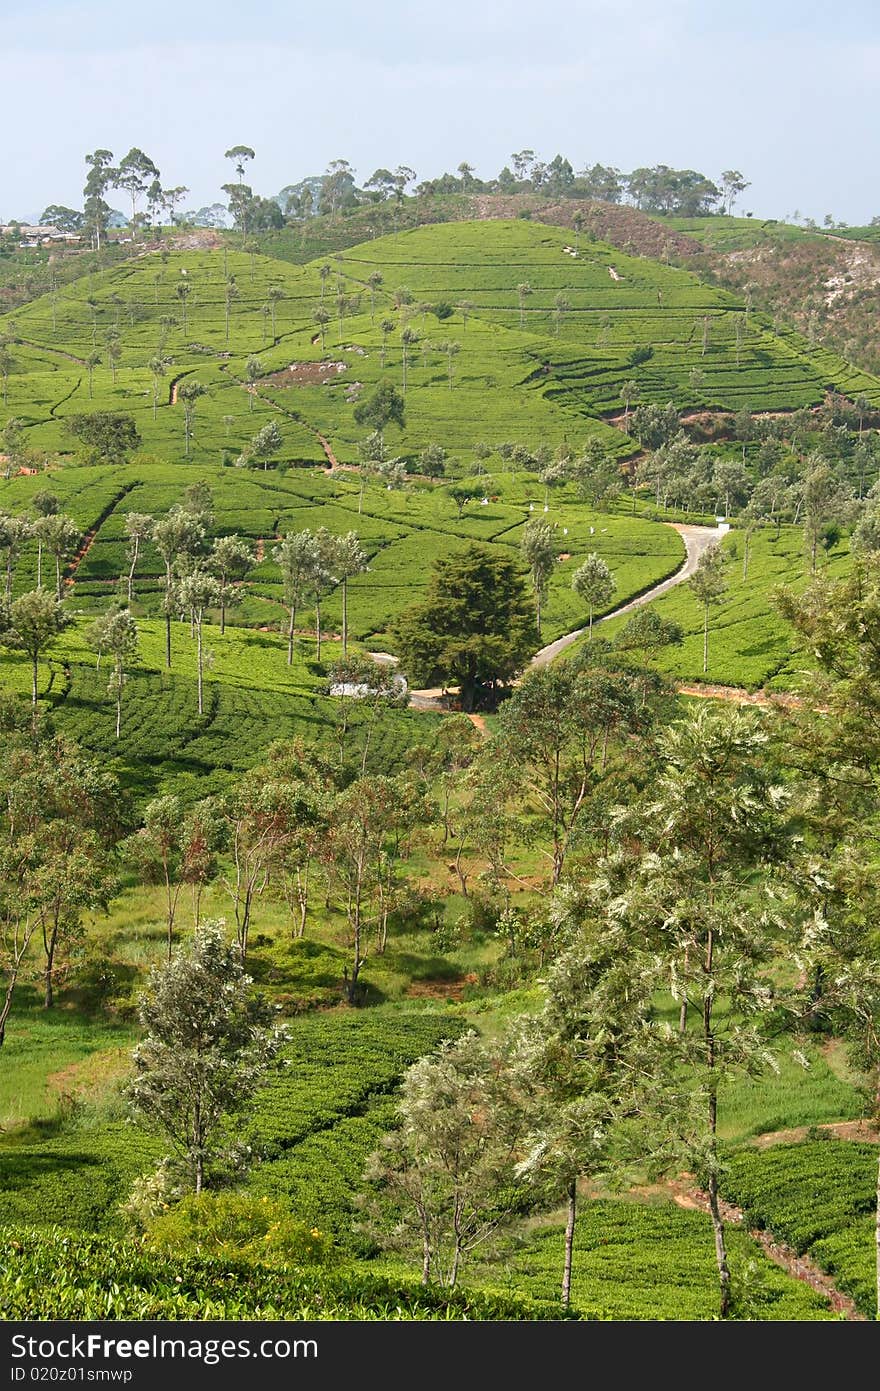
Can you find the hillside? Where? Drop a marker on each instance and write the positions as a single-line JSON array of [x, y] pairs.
[[537, 374]]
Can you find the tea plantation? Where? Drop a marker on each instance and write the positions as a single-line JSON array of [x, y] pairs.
[[511, 343]]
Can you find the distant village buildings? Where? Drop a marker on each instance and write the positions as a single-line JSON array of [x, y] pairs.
[[29, 235]]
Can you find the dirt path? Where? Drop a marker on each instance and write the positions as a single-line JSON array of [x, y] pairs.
[[739, 696], [798, 1266], [325, 445], [862, 1132], [696, 539]]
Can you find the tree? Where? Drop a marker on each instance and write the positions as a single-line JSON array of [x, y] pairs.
[[198, 592], [253, 371], [260, 816], [383, 407], [7, 365], [45, 504], [108, 436], [733, 184], [523, 291], [555, 731], [188, 393], [178, 533], [209, 1045], [713, 824], [708, 585], [538, 546], [731, 481], [35, 621], [241, 155], [14, 532], [60, 536], [62, 811], [13, 446], [92, 361], [230, 560], [826, 499], [158, 368], [99, 178], [594, 583], [264, 444], [115, 632], [183, 292], [646, 632], [408, 339], [386, 326], [473, 629], [133, 174], [374, 281], [629, 392], [322, 576], [322, 318], [561, 306], [274, 297], [295, 559], [463, 493], [443, 1180], [65, 219], [350, 560], [169, 199], [157, 851], [576, 1064]]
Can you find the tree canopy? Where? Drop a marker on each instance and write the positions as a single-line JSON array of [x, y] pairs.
[[474, 629]]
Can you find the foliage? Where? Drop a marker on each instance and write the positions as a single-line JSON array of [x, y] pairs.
[[107, 436], [208, 1045], [236, 1226], [54, 1275], [473, 629]]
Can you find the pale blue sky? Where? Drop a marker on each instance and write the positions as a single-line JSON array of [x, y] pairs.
[[787, 92]]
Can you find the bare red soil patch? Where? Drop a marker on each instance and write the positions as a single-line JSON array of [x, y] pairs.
[[307, 374]]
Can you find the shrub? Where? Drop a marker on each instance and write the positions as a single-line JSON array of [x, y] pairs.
[[238, 1226]]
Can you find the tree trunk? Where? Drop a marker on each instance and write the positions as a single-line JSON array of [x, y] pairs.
[[318, 631], [290, 635], [134, 561], [706, 640], [49, 993], [58, 578], [569, 1242], [345, 615], [876, 1230], [720, 1248], [199, 645], [39, 566]]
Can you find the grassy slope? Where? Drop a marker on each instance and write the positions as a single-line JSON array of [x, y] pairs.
[[749, 644]]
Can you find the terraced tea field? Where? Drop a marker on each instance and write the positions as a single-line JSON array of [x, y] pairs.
[[534, 365]]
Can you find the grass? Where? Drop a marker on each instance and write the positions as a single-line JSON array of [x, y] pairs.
[[53, 1056]]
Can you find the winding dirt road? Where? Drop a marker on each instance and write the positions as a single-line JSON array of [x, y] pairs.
[[696, 539]]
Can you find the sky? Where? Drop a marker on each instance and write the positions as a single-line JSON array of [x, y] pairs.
[[783, 90]]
